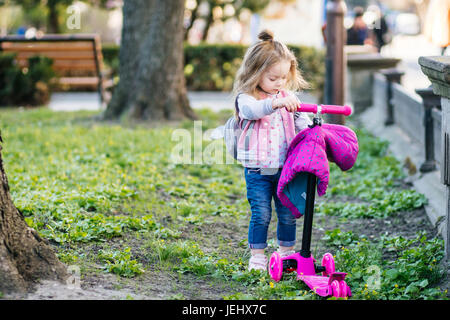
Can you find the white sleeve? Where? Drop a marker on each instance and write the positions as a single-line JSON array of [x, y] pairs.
[[301, 120], [252, 109]]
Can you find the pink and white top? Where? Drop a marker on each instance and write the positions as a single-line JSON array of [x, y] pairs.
[[252, 109]]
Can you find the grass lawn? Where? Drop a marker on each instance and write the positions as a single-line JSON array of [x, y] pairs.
[[110, 200]]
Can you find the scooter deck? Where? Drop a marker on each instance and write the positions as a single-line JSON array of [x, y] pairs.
[[321, 285]]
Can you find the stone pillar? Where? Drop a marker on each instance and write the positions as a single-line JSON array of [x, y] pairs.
[[430, 101], [438, 71], [360, 76], [392, 75], [335, 59]]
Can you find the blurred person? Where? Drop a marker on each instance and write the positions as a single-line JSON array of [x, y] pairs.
[[379, 29], [324, 21], [437, 23], [358, 34]]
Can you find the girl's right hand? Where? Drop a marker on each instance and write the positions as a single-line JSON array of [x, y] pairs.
[[290, 102]]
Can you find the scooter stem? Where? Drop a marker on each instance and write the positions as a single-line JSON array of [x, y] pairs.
[[308, 218]]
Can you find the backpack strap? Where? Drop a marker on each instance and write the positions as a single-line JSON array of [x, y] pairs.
[[236, 104], [242, 122]]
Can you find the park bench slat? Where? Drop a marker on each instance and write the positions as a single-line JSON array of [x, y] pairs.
[[88, 65], [55, 37], [36, 47], [84, 82], [79, 81], [58, 55]]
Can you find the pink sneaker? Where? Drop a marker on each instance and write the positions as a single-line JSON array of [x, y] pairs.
[[286, 253], [258, 262]]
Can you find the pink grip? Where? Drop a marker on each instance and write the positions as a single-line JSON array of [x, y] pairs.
[[304, 107], [345, 110], [332, 109]]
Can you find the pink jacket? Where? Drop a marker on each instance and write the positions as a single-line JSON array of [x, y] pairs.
[[309, 152], [254, 140]]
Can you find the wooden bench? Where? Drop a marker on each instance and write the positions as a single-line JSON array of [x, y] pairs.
[[77, 58]]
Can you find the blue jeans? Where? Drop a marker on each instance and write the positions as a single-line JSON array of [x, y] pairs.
[[261, 188]]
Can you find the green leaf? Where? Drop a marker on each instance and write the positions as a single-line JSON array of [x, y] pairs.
[[412, 288], [423, 283], [392, 273]]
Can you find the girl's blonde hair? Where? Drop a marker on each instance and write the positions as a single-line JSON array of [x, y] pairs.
[[259, 57]]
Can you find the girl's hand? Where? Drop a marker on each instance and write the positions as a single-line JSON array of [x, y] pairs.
[[290, 102]]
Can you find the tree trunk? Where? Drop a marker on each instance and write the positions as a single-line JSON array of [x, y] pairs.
[[209, 20], [152, 84], [24, 256], [53, 23], [191, 21]]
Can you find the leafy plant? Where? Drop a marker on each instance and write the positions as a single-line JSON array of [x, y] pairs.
[[120, 262], [30, 85], [378, 208], [338, 238], [411, 274]]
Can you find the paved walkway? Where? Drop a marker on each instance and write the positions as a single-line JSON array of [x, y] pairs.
[[73, 101]]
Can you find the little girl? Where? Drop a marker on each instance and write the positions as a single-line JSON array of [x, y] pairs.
[[268, 70]]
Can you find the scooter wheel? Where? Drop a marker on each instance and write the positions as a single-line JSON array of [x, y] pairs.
[[344, 289], [328, 263], [276, 267], [335, 289]]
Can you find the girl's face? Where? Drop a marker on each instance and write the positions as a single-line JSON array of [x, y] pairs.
[[275, 78]]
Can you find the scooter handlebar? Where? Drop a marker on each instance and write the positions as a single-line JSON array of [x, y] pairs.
[[331, 109]]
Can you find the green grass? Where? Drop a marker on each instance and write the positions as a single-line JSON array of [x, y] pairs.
[[81, 183], [86, 185]]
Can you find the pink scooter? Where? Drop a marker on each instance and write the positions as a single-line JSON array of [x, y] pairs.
[[330, 282]]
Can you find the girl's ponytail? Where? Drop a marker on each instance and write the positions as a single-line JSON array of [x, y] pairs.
[[265, 35]]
